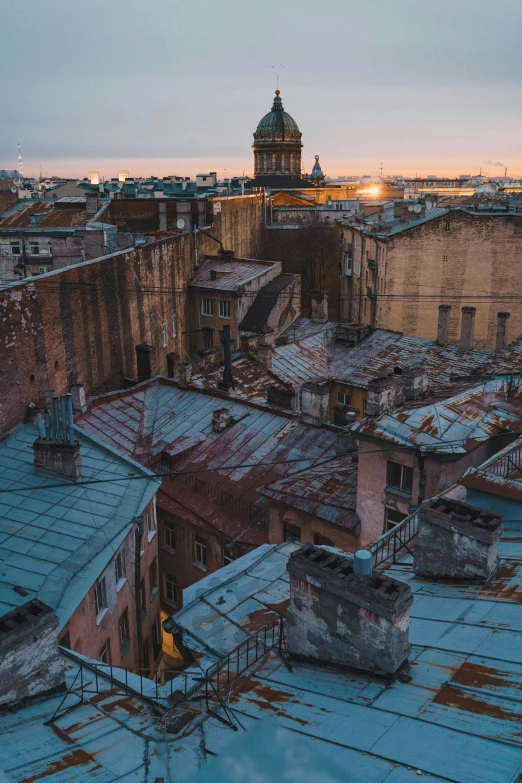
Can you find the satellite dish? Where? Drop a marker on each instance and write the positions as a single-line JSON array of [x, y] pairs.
[[410, 208], [417, 208], [429, 204], [14, 190], [181, 223]]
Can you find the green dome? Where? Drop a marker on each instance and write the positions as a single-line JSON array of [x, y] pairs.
[[277, 120]]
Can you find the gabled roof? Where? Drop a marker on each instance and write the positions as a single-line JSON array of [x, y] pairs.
[[57, 536], [265, 300], [455, 425], [232, 273]]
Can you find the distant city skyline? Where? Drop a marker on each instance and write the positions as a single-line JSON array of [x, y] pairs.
[[163, 89]]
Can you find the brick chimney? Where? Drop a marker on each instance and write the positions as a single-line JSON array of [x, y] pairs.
[[146, 361], [500, 343], [79, 404], [415, 382], [92, 203], [221, 419], [184, 374], [467, 328], [56, 448], [344, 614], [31, 665], [443, 325], [456, 541], [319, 307], [384, 394], [315, 398]]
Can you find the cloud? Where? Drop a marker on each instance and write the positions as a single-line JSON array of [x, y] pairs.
[[494, 163]]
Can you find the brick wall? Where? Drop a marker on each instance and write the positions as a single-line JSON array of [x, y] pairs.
[[81, 324]]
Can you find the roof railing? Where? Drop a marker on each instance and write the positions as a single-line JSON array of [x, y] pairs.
[[395, 542], [507, 464]]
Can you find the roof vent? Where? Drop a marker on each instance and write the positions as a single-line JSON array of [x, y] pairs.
[[221, 419], [56, 448], [343, 613], [456, 541]]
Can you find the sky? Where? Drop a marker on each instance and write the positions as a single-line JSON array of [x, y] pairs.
[[169, 87]]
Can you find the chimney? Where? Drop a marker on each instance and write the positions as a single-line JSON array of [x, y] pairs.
[[92, 203], [162, 216], [343, 613], [56, 449], [172, 359], [79, 404], [456, 541], [265, 349], [31, 665], [345, 442], [228, 381], [384, 394], [467, 328], [443, 325], [500, 343], [145, 355], [319, 307], [221, 419], [415, 382], [315, 398], [184, 374]]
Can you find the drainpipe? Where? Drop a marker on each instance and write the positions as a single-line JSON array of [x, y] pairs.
[[374, 303], [363, 244], [422, 478], [138, 535]]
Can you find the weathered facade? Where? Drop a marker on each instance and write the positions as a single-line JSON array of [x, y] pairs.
[[396, 269]]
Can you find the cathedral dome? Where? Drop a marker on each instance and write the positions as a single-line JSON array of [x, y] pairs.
[[277, 120]]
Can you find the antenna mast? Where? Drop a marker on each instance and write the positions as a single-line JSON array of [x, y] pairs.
[[20, 163]]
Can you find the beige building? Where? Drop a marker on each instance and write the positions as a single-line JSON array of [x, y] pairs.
[[397, 266]]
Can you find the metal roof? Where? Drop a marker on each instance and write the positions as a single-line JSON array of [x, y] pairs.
[[327, 491], [303, 327], [454, 425], [456, 721], [56, 540], [231, 273]]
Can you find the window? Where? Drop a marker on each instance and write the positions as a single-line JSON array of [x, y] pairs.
[[200, 551], [343, 398], [322, 540], [291, 531], [400, 478], [392, 518], [153, 579], [164, 334], [119, 566], [174, 325], [156, 638], [65, 641], [143, 600], [224, 308], [229, 555], [170, 589], [105, 653], [100, 596], [208, 338], [150, 522], [206, 307], [35, 250], [123, 626], [169, 537], [15, 250]]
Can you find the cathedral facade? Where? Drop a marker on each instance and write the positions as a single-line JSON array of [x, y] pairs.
[[277, 148]]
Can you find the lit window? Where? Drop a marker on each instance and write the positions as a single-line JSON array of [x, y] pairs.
[[174, 325], [119, 566], [164, 334], [343, 399], [170, 589], [200, 551], [400, 477], [123, 627], [206, 307], [100, 596], [105, 652], [224, 308], [170, 538]]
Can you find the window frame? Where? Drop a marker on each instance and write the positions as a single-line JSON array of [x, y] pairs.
[[169, 539], [174, 324], [224, 309], [388, 524], [124, 631], [344, 396], [35, 249], [208, 312], [15, 250], [171, 585], [100, 596], [404, 487], [153, 578], [119, 566], [289, 528], [164, 337], [208, 336], [106, 650], [200, 552]]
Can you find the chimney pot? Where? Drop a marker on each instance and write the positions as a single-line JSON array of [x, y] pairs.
[[456, 541], [221, 419], [500, 343], [467, 328], [184, 374], [384, 394], [337, 616], [443, 325], [362, 562], [319, 307]]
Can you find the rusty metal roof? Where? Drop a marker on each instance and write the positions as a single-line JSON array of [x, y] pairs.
[[232, 273], [454, 425], [303, 327], [508, 360], [327, 491], [53, 217]]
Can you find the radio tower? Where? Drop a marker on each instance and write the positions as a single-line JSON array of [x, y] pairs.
[[20, 163]]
